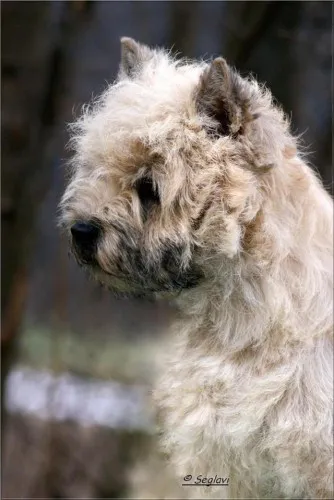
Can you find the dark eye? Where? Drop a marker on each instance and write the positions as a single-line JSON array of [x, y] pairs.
[[147, 193]]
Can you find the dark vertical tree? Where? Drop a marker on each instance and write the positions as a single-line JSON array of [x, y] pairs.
[[183, 24], [288, 46], [33, 45]]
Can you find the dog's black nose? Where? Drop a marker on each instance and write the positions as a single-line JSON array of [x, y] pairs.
[[85, 232], [85, 236]]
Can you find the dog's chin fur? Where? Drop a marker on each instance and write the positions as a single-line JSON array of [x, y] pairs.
[[192, 158], [121, 288], [127, 290]]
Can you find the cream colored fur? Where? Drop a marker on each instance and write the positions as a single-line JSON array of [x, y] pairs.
[[248, 391]]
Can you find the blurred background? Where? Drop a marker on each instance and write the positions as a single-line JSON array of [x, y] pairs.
[[76, 364]]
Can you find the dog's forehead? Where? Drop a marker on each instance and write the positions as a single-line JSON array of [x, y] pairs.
[[136, 115], [155, 95]]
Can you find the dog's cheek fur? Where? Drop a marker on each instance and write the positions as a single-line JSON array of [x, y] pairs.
[[231, 205]]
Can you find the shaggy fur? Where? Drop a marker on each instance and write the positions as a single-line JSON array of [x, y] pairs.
[[199, 192]]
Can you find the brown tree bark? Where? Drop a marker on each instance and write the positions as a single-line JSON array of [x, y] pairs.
[[287, 46], [183, 22], [31, 75]]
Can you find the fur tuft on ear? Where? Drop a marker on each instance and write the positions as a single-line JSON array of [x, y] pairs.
[[133, 57], [222, 96]]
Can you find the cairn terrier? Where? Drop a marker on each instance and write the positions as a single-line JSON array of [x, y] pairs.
[[187, 183]]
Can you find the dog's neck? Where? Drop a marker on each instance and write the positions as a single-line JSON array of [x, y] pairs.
[[275, 285]]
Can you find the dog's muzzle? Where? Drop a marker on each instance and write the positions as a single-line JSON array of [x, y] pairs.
[[85, 236]]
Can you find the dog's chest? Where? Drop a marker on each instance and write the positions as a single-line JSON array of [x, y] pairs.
[[214, 414]]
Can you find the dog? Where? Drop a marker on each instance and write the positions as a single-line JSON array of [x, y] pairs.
[[187, 184]]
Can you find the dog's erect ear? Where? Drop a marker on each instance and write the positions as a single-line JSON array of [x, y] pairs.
[[222, 95], [133, 56]]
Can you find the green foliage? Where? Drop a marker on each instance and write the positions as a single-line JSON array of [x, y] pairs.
[[90, 355]]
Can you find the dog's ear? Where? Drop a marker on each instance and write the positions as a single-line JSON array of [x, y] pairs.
[[133, 56], [222, 95]]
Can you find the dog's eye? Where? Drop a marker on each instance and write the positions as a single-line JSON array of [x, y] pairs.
[[147, 193]]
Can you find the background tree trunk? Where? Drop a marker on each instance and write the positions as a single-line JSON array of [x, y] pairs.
[[283, 44], [32, 64], [183, 23]]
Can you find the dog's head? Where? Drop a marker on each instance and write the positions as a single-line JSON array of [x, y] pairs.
[[166, 170]]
